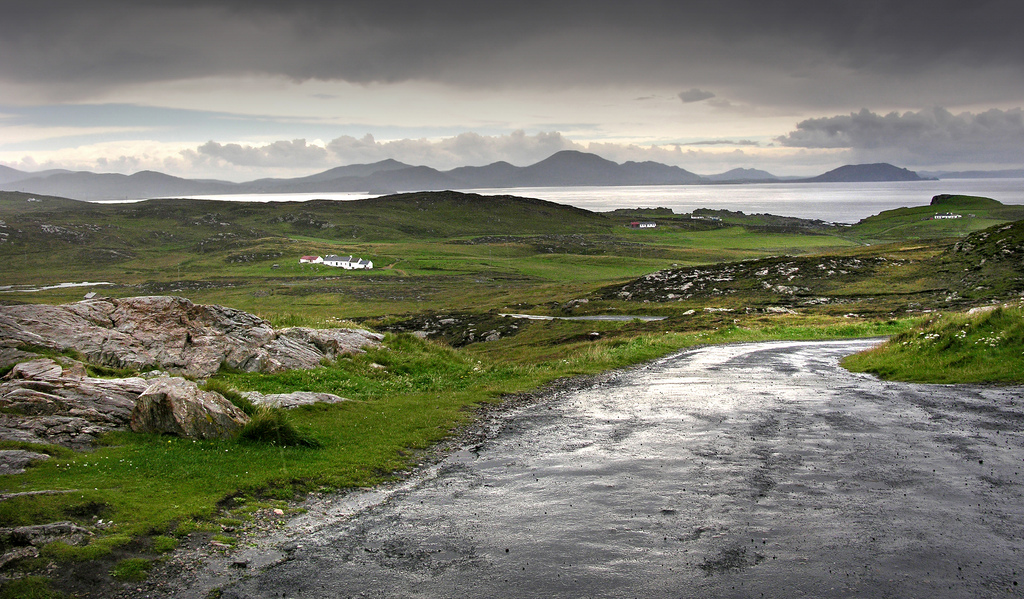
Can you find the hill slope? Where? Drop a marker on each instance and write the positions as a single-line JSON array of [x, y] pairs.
[[974, 214], [860, 173]]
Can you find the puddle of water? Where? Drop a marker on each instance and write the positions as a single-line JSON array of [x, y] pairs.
[[29, 288], [607, 318]]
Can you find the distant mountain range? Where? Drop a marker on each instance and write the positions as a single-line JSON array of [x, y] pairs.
[[567, 168]]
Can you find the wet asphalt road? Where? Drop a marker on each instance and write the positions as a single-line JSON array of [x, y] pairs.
[[732, 471]]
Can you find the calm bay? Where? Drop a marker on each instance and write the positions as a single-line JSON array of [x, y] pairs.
[[833, 202]]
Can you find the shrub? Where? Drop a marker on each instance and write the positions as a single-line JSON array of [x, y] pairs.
[[271, 426]]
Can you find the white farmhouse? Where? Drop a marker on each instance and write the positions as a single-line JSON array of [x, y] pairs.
[[311, 260], [347, 262]]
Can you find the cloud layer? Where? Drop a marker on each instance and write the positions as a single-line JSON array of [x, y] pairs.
[[757, 52], [928, 137]]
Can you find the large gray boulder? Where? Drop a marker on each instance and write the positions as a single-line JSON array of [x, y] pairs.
[[174, 334], [179, 407]]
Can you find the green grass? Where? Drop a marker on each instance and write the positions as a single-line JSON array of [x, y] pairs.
[[30, 587], [163, 543], [952, 348], [97, 547], [132, 569]]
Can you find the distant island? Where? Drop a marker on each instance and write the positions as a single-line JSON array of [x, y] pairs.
[[562, 169], [864, 173]]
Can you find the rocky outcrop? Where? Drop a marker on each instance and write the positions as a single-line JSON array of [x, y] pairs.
[[42, 401], [179, 407], [457, 329], [292, 400], [55, 401], [174, 334]]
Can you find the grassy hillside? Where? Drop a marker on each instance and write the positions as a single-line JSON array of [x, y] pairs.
[[903, 224], [440, 250], [983, 267]]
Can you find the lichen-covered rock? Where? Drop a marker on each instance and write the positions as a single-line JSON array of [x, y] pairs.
[[179, 407], [174, 334]]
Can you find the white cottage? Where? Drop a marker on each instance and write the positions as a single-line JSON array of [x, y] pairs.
[[347, 262]]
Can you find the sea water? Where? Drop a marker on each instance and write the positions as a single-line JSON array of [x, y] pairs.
[[832, 202]]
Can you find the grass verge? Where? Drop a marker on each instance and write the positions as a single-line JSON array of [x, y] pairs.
[[985, 347]]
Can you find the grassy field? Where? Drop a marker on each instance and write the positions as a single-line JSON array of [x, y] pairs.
[[441, 253]]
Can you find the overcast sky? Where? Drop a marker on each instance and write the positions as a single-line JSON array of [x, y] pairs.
[[243, 89]]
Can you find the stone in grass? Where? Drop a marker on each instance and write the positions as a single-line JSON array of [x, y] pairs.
[[14, 461], [44, 534], [292, 400], [179, 407]]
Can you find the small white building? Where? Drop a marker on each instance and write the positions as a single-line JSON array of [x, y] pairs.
[[311, 260], [948, 215], [347, 262], [643, 225]]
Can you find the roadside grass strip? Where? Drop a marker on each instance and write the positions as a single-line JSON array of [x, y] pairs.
[[984, 347]]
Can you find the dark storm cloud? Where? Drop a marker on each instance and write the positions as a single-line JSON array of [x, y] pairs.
[[934, 136], [76, 46], [695, 95]]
